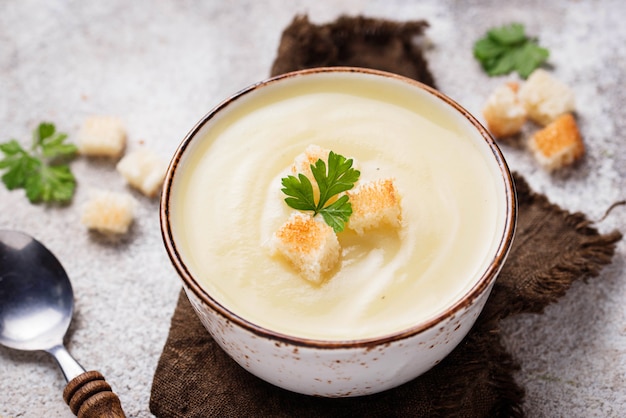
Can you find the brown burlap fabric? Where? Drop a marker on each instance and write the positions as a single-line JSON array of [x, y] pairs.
[[552, 249]]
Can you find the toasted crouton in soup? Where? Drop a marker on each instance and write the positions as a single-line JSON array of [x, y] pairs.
[[375, 204], [309, 244], [302, 163]]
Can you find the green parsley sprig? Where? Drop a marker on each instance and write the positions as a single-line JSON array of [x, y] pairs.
[[339, 177], [42, 171], [506, 49]]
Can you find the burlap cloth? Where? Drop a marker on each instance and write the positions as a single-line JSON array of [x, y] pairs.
[[552, 249]]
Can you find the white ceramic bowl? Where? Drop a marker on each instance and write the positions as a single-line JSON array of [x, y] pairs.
[[348, 367]]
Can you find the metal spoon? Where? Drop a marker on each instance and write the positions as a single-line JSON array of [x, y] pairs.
[[36, 305]]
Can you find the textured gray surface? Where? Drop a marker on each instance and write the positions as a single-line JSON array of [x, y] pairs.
[[161, 65]]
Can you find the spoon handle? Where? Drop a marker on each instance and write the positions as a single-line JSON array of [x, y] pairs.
[[90, 396]]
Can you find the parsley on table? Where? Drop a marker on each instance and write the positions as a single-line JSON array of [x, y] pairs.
[[506, 49], [42, 171], [339, 177]]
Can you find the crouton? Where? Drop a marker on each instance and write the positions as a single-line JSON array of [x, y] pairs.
[[546, 98], [143, 170], [558, 144], [109, 212], [374, 204], [504, 112], [102, 136], [310, 245], [302, 163]]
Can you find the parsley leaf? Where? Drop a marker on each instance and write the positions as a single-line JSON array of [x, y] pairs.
[[301, 191], [43, 171], [338, 177], [506, 49]]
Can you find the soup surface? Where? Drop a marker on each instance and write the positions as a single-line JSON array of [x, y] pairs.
[[227, 202]]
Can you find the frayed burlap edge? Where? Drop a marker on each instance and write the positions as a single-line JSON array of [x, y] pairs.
[[593, 252], [354, 41]]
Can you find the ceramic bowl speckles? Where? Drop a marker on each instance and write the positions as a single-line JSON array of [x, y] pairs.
[[337, 369], [352, 366]]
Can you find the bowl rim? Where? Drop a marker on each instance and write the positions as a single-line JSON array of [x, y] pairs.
[[482, 284]]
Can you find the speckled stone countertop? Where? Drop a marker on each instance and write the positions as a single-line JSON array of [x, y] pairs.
[[161, 65]]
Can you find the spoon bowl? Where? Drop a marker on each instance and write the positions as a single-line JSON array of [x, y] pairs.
[[36, 297], [36, 307]]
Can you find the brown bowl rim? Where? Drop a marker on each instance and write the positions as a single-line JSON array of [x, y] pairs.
[[482, 284]]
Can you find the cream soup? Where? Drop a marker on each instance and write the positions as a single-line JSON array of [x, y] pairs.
[[227, 203]]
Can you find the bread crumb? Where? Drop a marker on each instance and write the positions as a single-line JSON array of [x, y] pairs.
[[102, 136], [143, 170], [546, 98], [109, 212], [504, 112], [559, 144], [374, 204], [310, 245]]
